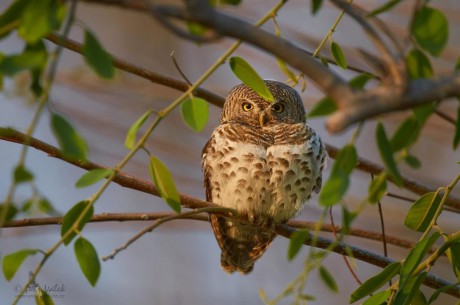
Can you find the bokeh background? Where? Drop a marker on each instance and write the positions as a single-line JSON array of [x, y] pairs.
[[179, 262]]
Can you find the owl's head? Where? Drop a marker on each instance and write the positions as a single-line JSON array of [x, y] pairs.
[[243, 105]]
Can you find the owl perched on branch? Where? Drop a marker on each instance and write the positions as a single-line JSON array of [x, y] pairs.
[[264, 161]]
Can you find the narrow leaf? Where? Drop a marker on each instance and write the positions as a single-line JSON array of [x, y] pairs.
[[453, 253], [387, 154], [413, 161], [195, 113], [418, 65], [406, 134], [10, 19], [36, 20], [27, 60], [358, 82], [13, 261], [243, 70], [131, 135], [379, 298], [296, 242], [88, 260], [375, 282], [42, 297], [436, 294], [71, 143], [285, 69], [422, 212], [406, 293], [457, 130], [384, 7], [324, 107], [316, 6], [328, 279], [72, 216], [93, 176], [377, 188], [96, 56], [165, 183], [22, 174], [430, 29], [338, 55]]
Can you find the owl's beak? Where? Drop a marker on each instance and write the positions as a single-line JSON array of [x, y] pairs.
[[262, 119]]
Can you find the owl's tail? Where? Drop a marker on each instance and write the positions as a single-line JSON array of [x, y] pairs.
[[241, 243]]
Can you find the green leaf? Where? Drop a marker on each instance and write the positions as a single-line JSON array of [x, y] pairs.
[[88, 260], [243, 70], [377, 188], [324, 61], [131, 135], [387, 155], [96, 57], [457, 130], [296, 241], [13, 261], [453, 253], [375, 282], [285, 69], [385, 7], [71, 217], [93, 176], [195, 113], [406, 294], [415, 257], [413, 161], [328, 279], [316, 6], [42, 297], [195, 28], [39, 19], [165, 183], [22, 174], [11, 212], [28, 60], [430, 29], [358, 82], [337, 184], [418, 298], [418, 65], [324, 107], [10, 19], [71, 143], [45, 206], [379, 298], [347, 218], [422, 212], [338, 55], [436, 294], [406, 134]]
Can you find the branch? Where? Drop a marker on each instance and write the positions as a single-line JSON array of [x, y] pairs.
[[283, 230]]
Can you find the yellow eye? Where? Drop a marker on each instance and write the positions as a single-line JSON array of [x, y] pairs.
[[247, 106], [278, 107]]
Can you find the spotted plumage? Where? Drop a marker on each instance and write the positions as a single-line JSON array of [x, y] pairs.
[[264, 161]]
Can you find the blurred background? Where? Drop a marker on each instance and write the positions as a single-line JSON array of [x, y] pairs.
[[179, 263]]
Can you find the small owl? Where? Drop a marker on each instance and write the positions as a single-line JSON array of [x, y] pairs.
[[264, 161]]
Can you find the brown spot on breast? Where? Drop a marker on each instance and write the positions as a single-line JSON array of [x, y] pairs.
[[250, 199], [283, 162], [287, 188], [234, 159], [290, 173], [232, 175], [226, 164], [302, 189], [220, 166], [258, 165], [272, 163], [250, 189], [224, 175], [243, 170], [297, 182], [279, 172], [305, 179]]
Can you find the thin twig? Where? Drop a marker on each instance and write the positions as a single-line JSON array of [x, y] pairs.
[[345, 259], [159, 222], [446, 117], [176, 65]]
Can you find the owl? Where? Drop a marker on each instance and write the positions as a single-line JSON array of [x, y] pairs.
[[264, 161]]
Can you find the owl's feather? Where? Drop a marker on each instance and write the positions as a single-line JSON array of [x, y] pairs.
[[266, 173]]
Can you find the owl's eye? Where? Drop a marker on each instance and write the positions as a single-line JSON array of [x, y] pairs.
[[278, 107], [247, 106]]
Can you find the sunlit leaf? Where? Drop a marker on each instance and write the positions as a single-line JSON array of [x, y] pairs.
[[377, 188], [11, 262], [42, 297], [71, 217], [22, 174], [375, 282], [195, 112], [243, 70], [386, 154], [338, 55], [430, 29], [130, 139], [93, 176], [328, 279], [285, 69], [379, 298], [165, 183], [406, 293], [422, 212], [88, 260], [10, 19], [296, 241], [97, 57], [70, 141]]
